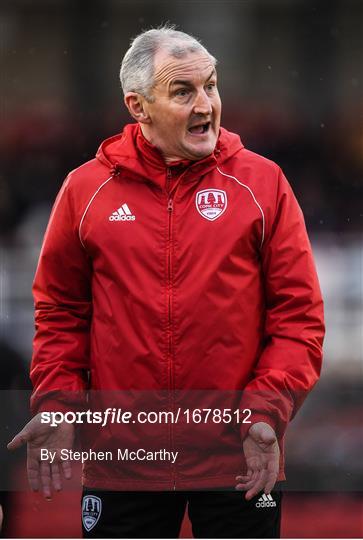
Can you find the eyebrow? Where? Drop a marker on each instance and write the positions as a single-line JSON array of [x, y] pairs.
[[186, 83]]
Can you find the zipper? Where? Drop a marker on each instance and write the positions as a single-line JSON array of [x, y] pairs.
[[170, 342], [170, 315], [170, 346], [170, 208]]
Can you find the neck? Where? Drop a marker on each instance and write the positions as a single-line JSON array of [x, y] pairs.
[[167, 158]]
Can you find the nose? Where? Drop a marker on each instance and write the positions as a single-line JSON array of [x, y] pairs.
[[202, 103]]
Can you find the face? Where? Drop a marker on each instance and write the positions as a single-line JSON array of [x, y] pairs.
[[183, 120]]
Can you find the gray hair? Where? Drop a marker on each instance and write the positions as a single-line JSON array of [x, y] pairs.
[[137, 68]]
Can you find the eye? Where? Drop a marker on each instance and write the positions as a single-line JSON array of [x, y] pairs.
[[210, 86], [182, 92]]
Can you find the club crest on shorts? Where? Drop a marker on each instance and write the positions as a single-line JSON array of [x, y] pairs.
[[91, 511], [211, 203]]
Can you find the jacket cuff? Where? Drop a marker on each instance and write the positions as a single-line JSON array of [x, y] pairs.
[[52, 405], [255, 418]]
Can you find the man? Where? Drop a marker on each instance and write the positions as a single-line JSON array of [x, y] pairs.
[[175, 268]]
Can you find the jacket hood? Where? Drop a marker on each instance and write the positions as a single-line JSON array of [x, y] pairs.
[[131, 151]]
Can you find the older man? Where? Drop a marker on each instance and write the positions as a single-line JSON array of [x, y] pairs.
[[176, 264]]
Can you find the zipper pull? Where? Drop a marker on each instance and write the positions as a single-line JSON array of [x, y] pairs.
[[170, 205]]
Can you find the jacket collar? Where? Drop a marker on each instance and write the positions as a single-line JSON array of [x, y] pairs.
[[132, 152]]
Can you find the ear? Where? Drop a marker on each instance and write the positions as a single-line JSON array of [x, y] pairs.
[[136, 105]]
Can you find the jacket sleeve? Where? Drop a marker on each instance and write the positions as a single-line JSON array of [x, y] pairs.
[[63, 308], [290, 361]]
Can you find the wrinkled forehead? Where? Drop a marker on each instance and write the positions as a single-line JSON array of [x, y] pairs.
[[192, 66]]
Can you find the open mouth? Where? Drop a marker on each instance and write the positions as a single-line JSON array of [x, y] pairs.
[[199, 129]]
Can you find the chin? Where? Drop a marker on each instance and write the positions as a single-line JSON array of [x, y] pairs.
[[201, 151]]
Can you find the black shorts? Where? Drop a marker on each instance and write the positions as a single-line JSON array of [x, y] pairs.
[[213, 514]]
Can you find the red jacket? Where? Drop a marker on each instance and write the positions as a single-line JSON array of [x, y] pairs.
[[180, 285]]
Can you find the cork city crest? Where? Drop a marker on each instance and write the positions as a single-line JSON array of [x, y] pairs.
[[91, 511], [211, 203]]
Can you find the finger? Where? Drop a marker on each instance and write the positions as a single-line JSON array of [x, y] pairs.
[[246, 486], [272, 473], [32, 467], [243, 479], [244, 476], [270, 485], [258, 485], [67, 469], [56, 476], [21, 438], [45, 479], [246, 483], [253, 489], [270, 481], [251, 475]]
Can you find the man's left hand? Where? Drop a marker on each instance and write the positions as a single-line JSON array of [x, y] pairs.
[[262, 455]]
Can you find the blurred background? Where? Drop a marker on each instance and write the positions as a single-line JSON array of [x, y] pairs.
[[291, 82]]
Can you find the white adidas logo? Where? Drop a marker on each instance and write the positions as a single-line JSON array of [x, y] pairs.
[[265, 500], [122, 214]]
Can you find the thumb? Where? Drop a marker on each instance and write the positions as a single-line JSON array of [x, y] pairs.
[[267, 439], [21, 438], [263, 433]]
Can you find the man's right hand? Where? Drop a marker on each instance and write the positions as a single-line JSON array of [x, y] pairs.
[[42, 474]]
